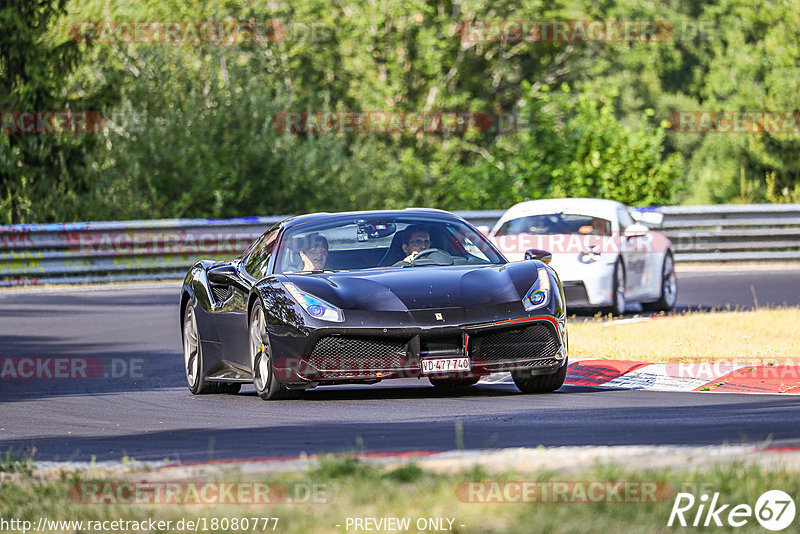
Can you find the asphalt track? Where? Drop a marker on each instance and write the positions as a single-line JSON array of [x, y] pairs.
[[151, 415]]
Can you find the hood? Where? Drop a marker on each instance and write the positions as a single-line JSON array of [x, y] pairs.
[[419, 288]]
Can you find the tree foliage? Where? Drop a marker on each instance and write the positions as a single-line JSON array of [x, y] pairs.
[[38, 173], [189, 127]]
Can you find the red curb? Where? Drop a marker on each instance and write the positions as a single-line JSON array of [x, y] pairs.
[[745, 379], [598, 372], [759, 379]]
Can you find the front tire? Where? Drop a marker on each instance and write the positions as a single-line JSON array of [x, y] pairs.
[[528, 383], [267, 385], [669, 286], [617, 290], [193, 355]]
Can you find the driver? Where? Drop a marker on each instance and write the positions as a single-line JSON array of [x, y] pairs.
[[417, 240], [599, 226], [314, 252]]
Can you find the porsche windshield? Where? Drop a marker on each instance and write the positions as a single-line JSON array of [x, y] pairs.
[[365, 243], [556, 223]]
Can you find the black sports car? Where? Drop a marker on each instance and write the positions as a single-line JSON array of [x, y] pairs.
[[335, 298]]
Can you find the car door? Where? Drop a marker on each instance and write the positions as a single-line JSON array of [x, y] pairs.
[[232, 321], [632, 250]]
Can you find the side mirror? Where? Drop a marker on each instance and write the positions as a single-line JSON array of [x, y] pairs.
[[636, 230], [222, 275], [653, 218], [536, 254]]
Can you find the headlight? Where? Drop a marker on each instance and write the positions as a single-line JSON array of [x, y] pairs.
[[539, 294], [314, 306]]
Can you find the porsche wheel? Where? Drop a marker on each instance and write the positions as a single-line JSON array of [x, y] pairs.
[[669, 286], [618, 290], [193, 355], [267, 385], [528, 383]]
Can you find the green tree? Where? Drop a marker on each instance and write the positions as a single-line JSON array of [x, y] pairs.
[[571, 145], [192, 132], [39, 172]]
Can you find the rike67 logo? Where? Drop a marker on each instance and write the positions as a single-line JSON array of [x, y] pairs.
[[774, 510]]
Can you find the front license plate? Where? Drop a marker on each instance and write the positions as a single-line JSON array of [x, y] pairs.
[[444, 365]]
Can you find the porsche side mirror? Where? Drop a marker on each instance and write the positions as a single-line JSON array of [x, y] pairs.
[[636, 230], [536, 254], [653, 218]]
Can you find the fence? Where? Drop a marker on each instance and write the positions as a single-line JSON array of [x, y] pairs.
[[755, 232], [158, 249], [130, 250]]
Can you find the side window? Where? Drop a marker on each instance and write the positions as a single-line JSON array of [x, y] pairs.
[[470, 247], [624, 219], [258, 260]]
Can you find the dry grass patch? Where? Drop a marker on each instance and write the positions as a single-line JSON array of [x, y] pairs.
[[764, 336]]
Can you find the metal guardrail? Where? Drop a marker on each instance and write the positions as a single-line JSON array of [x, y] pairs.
[[129, 250], [159, 249], [748, 232]]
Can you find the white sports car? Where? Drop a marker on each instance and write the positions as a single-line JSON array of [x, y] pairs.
[[605, 256]]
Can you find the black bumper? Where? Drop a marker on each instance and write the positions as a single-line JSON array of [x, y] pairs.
[[339, 354]]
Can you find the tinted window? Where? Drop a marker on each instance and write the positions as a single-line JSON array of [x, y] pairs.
[[372, 241], [556, 223]]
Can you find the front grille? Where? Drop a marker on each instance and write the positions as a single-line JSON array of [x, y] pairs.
[[442, 346], [526, 343], [354, 353]]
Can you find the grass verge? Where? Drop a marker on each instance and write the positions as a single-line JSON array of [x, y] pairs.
[[352, 489], [13, 462], [763, 336]]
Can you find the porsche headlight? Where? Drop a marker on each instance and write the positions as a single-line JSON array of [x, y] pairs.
[[314, 306], [539, 294]]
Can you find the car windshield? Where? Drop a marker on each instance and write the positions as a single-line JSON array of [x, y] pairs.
[[372, 241], [556, 223]]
